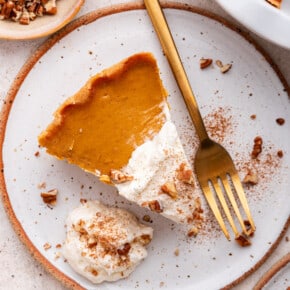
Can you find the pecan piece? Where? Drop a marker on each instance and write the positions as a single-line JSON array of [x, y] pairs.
[[205, 62], [153, 205], [170, 189], [243, 241], [185, 175], [50, 7], [225, 68], [257, 148], [119, 177], [50, 196], [250, 178], [125, 250], [192, 232]]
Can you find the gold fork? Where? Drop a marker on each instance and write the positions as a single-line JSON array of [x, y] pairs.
[[214, 167]]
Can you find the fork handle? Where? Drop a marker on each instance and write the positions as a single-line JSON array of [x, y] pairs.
[[161, 27]]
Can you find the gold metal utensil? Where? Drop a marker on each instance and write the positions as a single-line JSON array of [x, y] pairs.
[[214, 167]]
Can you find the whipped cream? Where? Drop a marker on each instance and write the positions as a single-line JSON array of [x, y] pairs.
[[159, 162], [104, 243]]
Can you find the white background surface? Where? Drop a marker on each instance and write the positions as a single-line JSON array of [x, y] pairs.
[[18, 269]]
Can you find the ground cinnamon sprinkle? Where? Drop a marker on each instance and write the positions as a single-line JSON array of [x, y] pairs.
[[219, 123]]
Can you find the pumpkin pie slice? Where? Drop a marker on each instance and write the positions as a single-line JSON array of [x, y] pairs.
[[118, 127]]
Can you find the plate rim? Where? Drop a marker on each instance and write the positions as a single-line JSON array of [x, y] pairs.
[[33, 59], [272, 271]]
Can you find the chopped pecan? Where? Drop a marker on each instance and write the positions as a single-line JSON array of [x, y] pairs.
[[24, 18], [223, 67], [243, 241], [125, 250], [170, 189], [250, 178], [50, 7], [50, 196], [119, 177], [249, 228], [205, 62], [25, 11], [154, 205], [46, 246], [92, 241], [185, 175], [219, 63], [6, 9], [192, 232], [257, 148], [143, 239]]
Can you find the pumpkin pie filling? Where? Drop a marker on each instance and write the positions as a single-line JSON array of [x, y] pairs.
[[118, 127], [116, 111]]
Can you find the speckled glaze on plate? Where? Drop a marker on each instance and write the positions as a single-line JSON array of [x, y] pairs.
[[41, 26], [254, 86], [277, 277]]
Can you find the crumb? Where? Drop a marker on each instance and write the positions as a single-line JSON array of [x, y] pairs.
[[249, 228], [250, 178], [280, 121], [57, 255], [176, 252], [253, 117], [83, 200], [46, 246], [243, 241], [223, 67], [41, 185], [36, 154], [50, 196], [205, 62], [192, 232], [257, 147], [58, 246], [280, 153]]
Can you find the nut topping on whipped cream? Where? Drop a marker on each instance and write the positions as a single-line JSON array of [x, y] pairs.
[[185, 175], [170, 189], [104, 243], [118, 176]]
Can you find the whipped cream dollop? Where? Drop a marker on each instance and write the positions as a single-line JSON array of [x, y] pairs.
[[104, 243]]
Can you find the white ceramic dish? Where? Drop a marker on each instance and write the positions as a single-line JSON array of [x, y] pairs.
[[41, 26], [252, 86], [262, 18]]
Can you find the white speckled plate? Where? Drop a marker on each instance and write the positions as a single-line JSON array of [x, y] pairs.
[[262, 18], [253, 86], [41, 26]]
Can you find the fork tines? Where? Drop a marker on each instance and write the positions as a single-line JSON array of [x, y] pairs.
[[224, 188]]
